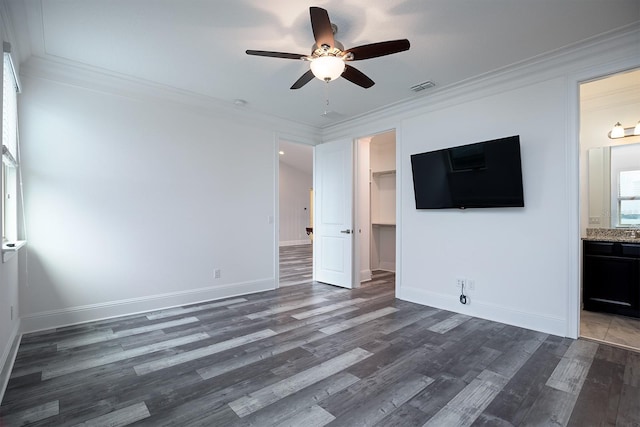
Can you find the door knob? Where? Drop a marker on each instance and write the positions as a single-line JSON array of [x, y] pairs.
[[346, 231]]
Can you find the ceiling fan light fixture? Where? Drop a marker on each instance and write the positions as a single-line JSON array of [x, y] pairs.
[[327, 68]]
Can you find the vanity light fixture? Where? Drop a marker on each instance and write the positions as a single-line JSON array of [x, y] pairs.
[[621, 132]]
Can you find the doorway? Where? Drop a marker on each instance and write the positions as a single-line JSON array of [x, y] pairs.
[[295, 207], [376, 207], [603, 103], [374, 213]]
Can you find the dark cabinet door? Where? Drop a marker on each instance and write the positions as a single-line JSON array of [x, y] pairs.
[[612, 284]]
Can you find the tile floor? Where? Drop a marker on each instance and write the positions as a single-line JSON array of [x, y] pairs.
[[612, 329]]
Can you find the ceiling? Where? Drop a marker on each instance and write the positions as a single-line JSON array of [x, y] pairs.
[[296, 155], [623, 88], [198, 46]]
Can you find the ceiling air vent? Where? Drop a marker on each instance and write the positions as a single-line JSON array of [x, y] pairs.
[[422, 86]]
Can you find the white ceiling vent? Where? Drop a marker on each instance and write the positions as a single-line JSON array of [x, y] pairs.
[[422, 86]]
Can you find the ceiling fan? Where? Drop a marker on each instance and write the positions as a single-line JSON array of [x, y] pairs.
[[329, 58]]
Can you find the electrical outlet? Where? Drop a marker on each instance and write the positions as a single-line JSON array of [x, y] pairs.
[[459, 283], [216, 273], [471, 284]]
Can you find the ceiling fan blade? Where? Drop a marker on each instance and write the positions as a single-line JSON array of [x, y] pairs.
[[375, 50], [357, 77], [303, 80], [275, 54], [321, 26]]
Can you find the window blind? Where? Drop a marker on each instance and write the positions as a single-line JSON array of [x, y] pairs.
[[11, 87]]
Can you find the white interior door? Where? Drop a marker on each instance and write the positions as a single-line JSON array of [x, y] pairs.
[[333, 239]]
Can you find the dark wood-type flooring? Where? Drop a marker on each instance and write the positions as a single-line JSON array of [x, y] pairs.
[[313, 355], [296, 264]]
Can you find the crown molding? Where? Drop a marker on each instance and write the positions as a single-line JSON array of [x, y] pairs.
[[616, 46], [75, 74], [610, 47]]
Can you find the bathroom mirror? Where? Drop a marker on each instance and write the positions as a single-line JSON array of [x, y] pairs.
[[614, 186]]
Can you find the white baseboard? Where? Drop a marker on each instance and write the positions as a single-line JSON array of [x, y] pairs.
[[365, 275], [89, 313], [8, 357], [295, 242], [484, 310]]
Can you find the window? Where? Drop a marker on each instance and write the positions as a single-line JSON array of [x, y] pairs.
[[629, 198], [10, 89]]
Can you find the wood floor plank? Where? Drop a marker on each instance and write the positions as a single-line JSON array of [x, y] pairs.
[[378, 373], [510, 362], [70, 366], [385, 403], [600, 395], [513, 403], [181, 311], [431, 400], [553, 407], [326, 308], [32, 415], [266, 396], [629, 409], [632, 369], [110, 335], [422, 365], [287, 323], [450, 323], [398, 324], [572, 370], [463, 409], [208, 399], [356, 321], [288, 408], [314, 416], [121, 417], [287, 307], [167, 362], [296, 264], [254, 357]]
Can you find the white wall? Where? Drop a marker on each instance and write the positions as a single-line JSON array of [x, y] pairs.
[[383, 152], [132, 204], [9, 327], [294, 205], [526, 261], [517, 257]]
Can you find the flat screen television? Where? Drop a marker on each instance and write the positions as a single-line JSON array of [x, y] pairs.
[[482, 175]]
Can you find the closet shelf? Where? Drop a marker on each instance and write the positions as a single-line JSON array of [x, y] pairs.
[[380, 173]]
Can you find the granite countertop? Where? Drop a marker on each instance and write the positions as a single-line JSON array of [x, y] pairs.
[[613, 235]]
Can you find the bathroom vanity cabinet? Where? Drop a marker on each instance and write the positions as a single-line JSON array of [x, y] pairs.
[[611, 277]]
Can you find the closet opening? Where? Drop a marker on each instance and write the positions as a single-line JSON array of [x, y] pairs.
[[376, 208]]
